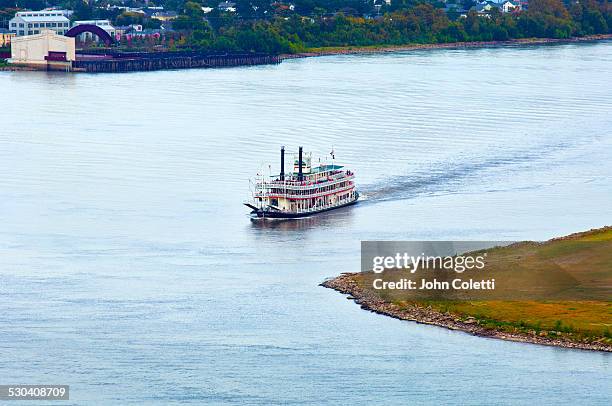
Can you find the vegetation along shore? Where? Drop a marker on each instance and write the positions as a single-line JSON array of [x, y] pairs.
[[323, 51], [307, 26], [400, 23], [326, 51], [584, 321]]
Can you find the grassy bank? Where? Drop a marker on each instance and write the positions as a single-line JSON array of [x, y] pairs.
[[577, 312], [322, 51]]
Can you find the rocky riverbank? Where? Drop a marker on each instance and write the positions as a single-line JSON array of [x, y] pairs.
[[346, 284], [453, 45]]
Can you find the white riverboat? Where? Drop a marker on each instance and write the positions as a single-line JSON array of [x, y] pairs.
[[306, 191]]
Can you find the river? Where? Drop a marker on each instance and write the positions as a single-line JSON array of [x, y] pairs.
[[130, 270]]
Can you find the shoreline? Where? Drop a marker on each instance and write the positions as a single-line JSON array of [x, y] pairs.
[[374, 49], [345, 284], [16, 68], [380, 49]]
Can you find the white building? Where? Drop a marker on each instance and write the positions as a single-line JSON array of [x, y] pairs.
[[505, 6], [104, 24], [509, 6], [46, 50], [227, 6], [33, 22]]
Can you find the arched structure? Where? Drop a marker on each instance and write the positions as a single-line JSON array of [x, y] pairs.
[[94, 29]]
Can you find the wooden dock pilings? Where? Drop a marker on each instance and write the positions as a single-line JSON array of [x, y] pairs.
[[143, 61]]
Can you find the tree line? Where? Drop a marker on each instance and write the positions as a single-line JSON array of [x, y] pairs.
[[257, 27], [421, 23]]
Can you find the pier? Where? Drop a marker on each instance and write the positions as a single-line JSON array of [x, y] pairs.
[[148, 61]]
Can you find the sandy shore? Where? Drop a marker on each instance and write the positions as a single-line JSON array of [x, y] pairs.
[[452, 45], [347, 285]]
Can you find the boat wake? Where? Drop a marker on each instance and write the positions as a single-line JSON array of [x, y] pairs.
[[457, 177]]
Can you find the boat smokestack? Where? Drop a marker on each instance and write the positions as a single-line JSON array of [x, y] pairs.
[[282, 172], [300, 175]]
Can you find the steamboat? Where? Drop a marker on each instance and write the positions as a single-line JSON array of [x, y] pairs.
[[306, 191]]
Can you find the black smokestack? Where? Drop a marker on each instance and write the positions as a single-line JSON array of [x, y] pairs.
[[300, 176], [282, 173]]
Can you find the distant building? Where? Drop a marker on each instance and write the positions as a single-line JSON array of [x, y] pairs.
[[34, 22], [121, 30], [134, 30], [87, 36], [279, 6], [126, 9], [5, 37], [146, 33], [45, 51], [66, 13], [150, 10], [227, 6], [508, 6], [486, 6]]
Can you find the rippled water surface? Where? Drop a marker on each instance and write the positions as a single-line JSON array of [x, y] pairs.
[[130, 270]]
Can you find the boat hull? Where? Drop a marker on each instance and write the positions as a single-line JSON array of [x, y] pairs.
[[274, 214]]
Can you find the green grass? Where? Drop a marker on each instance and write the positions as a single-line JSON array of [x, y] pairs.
[[574, 276]]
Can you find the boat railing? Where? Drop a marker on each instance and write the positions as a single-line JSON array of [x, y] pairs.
[[295, 185], [327, 206], [309, 196]]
